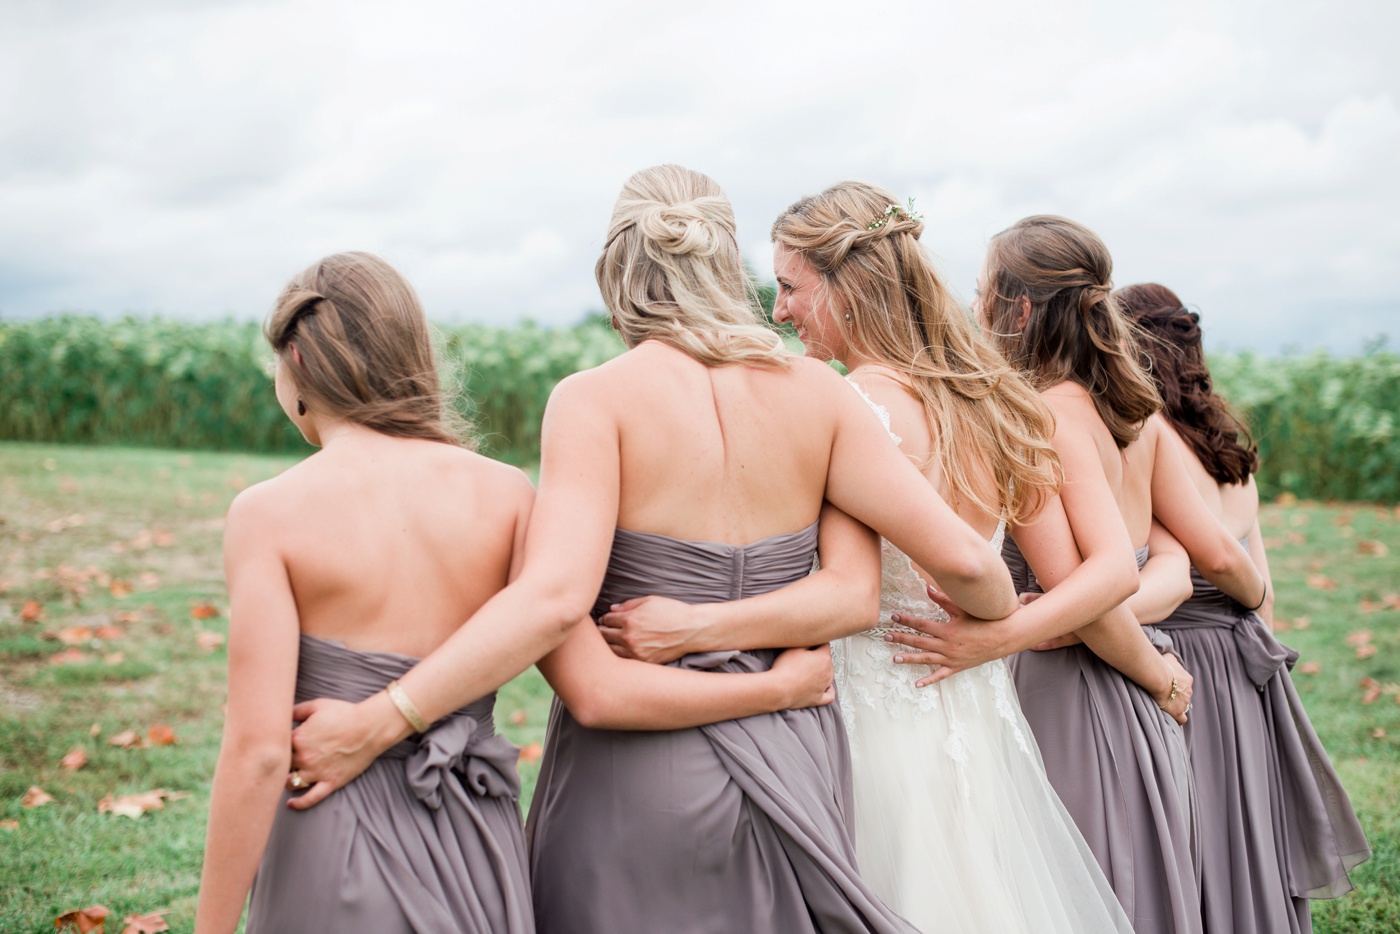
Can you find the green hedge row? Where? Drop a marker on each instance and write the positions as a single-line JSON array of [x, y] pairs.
[[1326, 426]]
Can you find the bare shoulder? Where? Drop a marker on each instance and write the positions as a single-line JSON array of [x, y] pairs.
[[259, 512]]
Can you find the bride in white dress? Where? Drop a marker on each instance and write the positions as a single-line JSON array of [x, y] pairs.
[[956, 826]]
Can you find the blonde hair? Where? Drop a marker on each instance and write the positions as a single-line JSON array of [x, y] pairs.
[[1076, 330], [671, 271], [365, 347], [902, 316]]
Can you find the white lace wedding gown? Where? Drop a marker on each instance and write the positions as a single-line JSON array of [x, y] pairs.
[[956, 826]]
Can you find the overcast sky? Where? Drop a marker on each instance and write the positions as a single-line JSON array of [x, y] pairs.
[[186, 157]]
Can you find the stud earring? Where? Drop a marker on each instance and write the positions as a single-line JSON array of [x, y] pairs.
[[301, 407], [848, 317]]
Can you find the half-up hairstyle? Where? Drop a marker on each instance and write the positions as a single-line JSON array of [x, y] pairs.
[[671, 271], [365, 347], [1075, 331], [1171, 339], [874, 269]]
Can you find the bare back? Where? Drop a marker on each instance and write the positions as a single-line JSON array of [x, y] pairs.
[[390, 544], [728, 454], [1236, 505]]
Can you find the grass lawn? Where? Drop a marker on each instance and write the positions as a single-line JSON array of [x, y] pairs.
[[110, 571]]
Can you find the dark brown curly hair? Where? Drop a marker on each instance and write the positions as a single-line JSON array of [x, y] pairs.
[[1172, 342]]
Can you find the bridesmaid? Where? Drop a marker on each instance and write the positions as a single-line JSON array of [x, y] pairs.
[[1282, 829], [1117, 761], [694, 465], [330, 601]]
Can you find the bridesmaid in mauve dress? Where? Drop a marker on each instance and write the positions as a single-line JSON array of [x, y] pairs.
[[712, 795], [341, 571], [1277, 827]]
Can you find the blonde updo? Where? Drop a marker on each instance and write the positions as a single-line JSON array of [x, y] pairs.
[[671, 271]]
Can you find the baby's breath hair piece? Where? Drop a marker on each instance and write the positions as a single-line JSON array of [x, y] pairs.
[[894, 211]]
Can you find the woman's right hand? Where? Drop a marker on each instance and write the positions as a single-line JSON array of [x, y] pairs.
[[806, 676], [1177, 706]]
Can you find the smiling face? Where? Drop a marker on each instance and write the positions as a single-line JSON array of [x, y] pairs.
[[803, 302]]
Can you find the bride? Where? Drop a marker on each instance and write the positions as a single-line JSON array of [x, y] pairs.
[[956, 826]]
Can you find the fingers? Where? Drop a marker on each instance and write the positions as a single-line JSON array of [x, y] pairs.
[[1029, 597], [313, 796], [625, 605], [920, 658], [941, 673], [303, 711], [922, 643], [828, 696], [915, 622], [617, 641]]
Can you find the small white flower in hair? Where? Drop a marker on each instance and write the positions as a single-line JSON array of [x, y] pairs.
[[893, 211]]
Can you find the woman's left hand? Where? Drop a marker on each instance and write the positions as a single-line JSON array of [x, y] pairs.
[[960, 643], [649, 629], [336, 741]]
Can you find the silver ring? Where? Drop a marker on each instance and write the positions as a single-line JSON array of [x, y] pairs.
[[1188, 706], [296, 781]]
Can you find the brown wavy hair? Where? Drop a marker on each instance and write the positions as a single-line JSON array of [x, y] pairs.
[[366, 349], [1172, 341], [903, 317], [1075, 331]]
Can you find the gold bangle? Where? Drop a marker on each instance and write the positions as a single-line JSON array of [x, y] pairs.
[[1176, 689], [413, 715]]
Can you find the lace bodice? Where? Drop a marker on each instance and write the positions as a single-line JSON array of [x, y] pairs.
[[864, 664]]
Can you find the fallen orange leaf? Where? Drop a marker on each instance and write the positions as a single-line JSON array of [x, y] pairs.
[[1367, 606], [531, 752], [75, 635], [114, 658], [31, 612], [517, 717], [1309, 668], [1321, 582], [1378, 733], [1359, 637], [36, 797], [125, 739], [1371, 547], [1373, 690], [163, 539], [161, 735], [121, 588], [108, 632], [209, 641], [96, 730], [68, 656], [133, 806], [1391, 601], [127, 617], [1365, 651], [152, 923], [77, 758], [9, 825], [83, 920], [204, 611]]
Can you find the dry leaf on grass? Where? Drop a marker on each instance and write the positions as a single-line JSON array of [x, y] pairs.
[[1309, 668], [121, 588], [68, 656], [31, 612], [204, 610], [108, 632], [161, 735], [83, 920], [114, 658], [1372, 690], [1371, 547], [77, 758], [1378, 733], [9, 825], [531, 752], [1321, 582], [152, 923], [75, 635], [95, 730], [1367, 606], [1359, 637], [148, 580], [133, 806], [126, 739], [36, 797], [517, 717], [1391, 601], [209, 641], [1365, 651]]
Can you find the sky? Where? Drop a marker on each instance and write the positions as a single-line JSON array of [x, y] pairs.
[[185, 157]]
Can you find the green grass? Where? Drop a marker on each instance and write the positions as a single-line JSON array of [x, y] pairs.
[[151, 512]]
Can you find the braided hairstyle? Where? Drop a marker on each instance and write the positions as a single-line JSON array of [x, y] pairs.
[[1075, 330], [872, 267], [1172, 341], [671, 271], [365, 348]]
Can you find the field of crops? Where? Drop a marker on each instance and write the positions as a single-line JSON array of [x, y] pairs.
[[1326, 426]]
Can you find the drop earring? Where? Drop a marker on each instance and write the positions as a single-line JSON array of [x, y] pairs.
[[301, 407]]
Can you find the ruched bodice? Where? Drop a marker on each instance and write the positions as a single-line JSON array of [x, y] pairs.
[[428, 838], [644, 563], [740, 825]]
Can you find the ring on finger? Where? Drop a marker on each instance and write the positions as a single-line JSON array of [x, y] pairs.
[[296, 782]]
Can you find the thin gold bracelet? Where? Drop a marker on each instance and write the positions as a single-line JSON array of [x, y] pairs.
[[410, 711], [1176, 689]]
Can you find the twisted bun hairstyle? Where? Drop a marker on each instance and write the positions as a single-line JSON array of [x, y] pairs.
[[1172, 341], [903, 317], [1076, 330], [365, 348], [671, 271]]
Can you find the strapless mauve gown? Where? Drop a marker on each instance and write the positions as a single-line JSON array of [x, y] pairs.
[[428, 839], [738, 826]]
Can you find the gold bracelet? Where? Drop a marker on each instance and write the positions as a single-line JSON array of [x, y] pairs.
[[1176, 689], [415, 717]]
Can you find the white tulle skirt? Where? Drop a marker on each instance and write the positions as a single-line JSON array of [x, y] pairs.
[[956, 826]]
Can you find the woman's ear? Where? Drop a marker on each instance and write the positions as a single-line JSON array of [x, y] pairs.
[[1021, 318], [296, 354]]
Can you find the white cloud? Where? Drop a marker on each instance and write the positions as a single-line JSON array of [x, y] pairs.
[[186, 157]]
